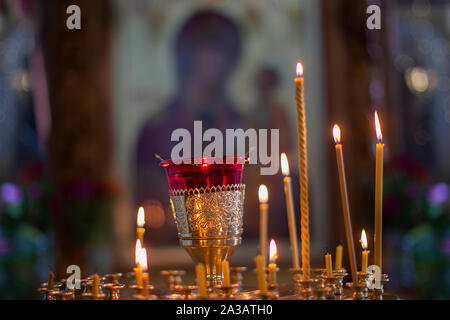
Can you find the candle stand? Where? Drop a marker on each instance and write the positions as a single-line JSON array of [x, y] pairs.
[[318, 287], [377, 293], [66, 294], [330, 286], [237, 277], [226, 292], [339, 282]]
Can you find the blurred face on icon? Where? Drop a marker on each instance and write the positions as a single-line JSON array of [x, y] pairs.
[[207, 50], [209, 66]]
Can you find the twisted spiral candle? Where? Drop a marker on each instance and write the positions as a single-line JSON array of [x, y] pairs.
[[303, 170]]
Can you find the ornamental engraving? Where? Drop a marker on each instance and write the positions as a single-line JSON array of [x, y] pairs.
[[209, 211]]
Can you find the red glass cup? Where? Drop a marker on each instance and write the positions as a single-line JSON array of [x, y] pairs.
[[208, 172]]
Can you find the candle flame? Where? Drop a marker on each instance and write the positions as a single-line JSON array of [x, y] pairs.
[[137, 251], [284, 164], [299, 69], [142, 260], [141, 217], [378, 128], [263, 194], [140, 256], [337, 134], [273, 251], [363, 240]]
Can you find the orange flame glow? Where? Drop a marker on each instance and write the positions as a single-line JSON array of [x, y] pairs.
[[378, 128], [337, 134], [363, 240], [263, 194], [273, 251], [284, 164], [299, 69], [143, 260], [137, 251]]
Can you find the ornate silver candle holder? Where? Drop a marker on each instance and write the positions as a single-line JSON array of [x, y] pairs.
[[209, 222]]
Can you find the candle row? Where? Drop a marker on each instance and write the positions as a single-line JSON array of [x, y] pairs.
[[304, 205]]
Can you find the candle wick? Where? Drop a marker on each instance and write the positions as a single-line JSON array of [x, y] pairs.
[[157, 156]]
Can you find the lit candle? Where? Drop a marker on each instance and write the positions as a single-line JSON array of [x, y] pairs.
[[273, 262], [137, 257], [378, 247], [226, 273], [201, 280], [345, 205], [303, 169], [328, 264], [262, 286], [140, 224], [263, 195], [338, 263], [365, 252], [290, 210]]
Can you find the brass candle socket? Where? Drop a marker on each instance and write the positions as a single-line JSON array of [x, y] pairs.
[[306, 289], [86, 285], [377, 293], [49, 293], [142, 292], [269, 279], [187, 292], [113, 289], [318, 289], [65, 294], [99, 296], [339, 276], [226, 292], [173, 280], [360, 291], [237, 277], [296, 276], [209, 223], [113, 277], [330, 287], [318, 273], [272, 291]]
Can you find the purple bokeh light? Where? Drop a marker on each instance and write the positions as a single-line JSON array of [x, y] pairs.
[[438, 193], [10, 193]]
